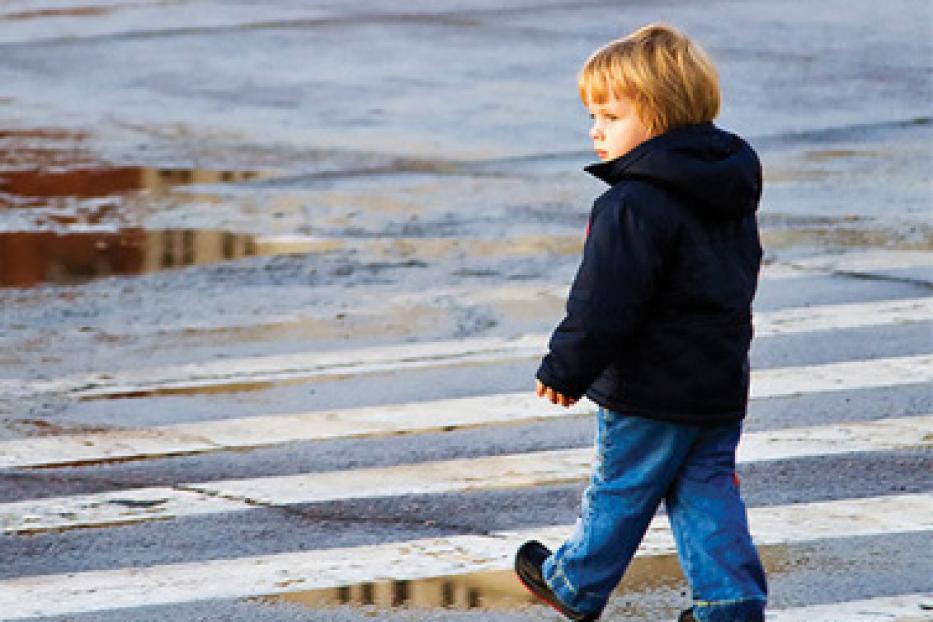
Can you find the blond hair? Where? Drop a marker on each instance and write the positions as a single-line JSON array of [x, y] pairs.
[[669, 78]]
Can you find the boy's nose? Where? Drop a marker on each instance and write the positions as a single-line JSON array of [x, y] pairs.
[[595, 132]]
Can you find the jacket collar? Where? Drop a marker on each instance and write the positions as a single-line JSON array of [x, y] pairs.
[[613, 170]]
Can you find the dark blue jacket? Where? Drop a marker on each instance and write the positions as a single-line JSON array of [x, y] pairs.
[[658, 320]]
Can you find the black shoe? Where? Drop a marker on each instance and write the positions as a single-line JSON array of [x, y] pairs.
[[686, 616], [528, 561]]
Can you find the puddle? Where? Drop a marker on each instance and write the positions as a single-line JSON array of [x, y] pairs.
[[920, 238], [498, 590], [41, 427], [78, 11], [823, 155], [67, 214], [234, 387], [51, 187], [29, 258], [494, 590], [54, 168]]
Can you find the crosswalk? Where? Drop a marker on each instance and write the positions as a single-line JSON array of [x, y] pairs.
[[405, 567]]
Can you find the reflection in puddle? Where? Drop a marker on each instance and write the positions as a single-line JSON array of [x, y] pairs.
[[28, 258], [80, 11], [499, 590], [44, 167], [60, 181], [822, 155], [487, 590], [42, 187], [234, 387], [920, 237]]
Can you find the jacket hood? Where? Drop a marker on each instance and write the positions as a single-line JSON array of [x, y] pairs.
[[717, 173]]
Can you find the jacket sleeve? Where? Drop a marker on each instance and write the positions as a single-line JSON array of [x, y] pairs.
[[610, 295]]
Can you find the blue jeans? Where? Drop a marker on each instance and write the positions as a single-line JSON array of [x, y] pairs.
[[639, 462]]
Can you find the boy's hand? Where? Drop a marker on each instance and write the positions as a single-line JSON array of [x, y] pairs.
[[553, 396]]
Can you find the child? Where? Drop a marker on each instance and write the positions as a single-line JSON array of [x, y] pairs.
[[657, 333]]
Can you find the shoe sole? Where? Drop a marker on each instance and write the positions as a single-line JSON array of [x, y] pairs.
[[541, 597]]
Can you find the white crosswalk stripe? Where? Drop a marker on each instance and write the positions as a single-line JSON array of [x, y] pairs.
[[511, 471]]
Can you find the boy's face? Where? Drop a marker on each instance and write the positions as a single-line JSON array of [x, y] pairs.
[[616, 128]]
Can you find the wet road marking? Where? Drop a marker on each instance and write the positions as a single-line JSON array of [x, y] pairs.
[[843, 316], [82, 592], [866, 262], [485, 473], [306, 366], [901, 608], [264, 430], [111, 509]]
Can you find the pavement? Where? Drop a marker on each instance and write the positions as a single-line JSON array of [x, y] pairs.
[[275, 276]]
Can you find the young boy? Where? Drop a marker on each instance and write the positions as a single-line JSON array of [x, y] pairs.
[[657, 333]]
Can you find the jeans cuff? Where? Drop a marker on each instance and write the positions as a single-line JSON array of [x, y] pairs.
[[578, 600], [744, 609]]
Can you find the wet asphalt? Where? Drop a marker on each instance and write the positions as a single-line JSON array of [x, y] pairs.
[[437, 150]]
